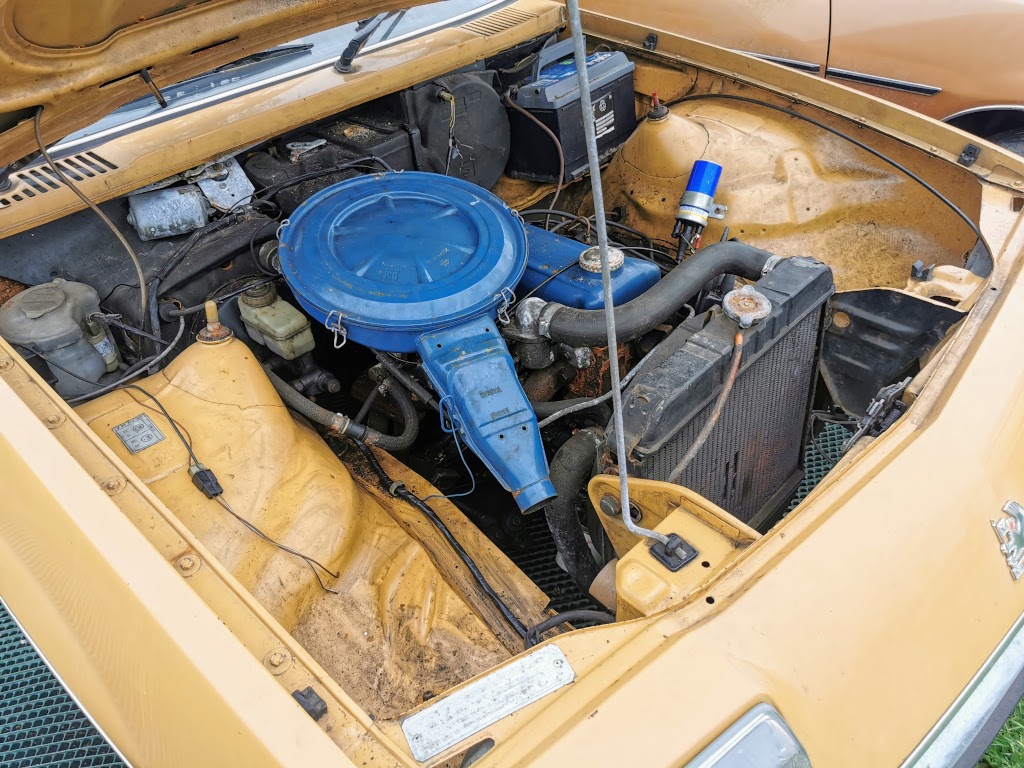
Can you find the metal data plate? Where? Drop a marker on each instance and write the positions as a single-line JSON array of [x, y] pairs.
[[139, 433], [434, 729]]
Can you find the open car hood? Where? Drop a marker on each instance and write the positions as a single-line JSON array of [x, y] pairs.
[[81, 59]]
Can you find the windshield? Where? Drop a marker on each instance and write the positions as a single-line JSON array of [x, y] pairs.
[[292, 59]]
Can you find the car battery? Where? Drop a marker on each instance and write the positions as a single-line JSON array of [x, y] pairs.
[[552, 96]]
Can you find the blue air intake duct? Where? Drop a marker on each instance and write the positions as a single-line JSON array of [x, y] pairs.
[[418, 262]]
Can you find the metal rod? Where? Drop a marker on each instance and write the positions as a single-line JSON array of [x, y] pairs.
[[590, 132]]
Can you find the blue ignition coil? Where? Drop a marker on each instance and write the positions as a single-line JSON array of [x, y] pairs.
[[697, 205]]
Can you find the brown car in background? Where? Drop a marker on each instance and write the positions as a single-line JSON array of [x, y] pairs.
[[954, 60]]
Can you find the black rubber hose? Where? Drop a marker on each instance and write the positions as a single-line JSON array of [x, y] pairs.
[[342, 425], [571, 469], [533, 633], [586, 327], [400, 491], [408, 381]]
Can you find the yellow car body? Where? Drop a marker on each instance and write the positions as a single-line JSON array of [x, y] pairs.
[[880, 619]]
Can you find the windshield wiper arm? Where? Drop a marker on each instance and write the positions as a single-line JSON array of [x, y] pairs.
[[364, 29], [268, 55]]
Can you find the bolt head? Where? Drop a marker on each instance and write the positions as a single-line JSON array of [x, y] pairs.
[[54, 419], [187, 563], [276, 659], [611, 506]]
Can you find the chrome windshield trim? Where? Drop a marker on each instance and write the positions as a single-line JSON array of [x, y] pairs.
[[71, 694], [953, 735], [92, 140], [986, 108], [882, 82], [804, 66]]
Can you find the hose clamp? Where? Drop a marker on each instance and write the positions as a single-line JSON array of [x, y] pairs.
[[771, 263], [395, 487], [544, 318]]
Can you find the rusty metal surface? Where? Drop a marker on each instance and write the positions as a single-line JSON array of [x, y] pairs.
[[595, 380], [9, 289]]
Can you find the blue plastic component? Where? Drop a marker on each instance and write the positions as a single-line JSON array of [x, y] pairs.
[[699, 197], [575, 287], [418, 262], [704, 178], [471, 364], [389, 256]]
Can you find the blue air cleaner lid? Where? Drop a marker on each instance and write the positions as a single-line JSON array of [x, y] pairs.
[[392, 256]]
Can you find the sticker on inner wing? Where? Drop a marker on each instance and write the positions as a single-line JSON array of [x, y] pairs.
[[139, 433], [434, 729]]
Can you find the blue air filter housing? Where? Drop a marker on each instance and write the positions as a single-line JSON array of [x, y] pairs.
[[418, 262]]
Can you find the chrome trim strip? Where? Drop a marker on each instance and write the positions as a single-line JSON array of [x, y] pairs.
[[986, 108], [64, 685], [93, 140], [882, 82], [804, 66], [961, 723]]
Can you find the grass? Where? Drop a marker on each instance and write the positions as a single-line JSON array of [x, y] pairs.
[[1007, 751]]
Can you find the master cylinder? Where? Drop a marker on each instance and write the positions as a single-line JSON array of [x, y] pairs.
[[417, 262]]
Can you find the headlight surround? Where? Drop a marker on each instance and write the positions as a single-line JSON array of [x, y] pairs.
[[759, 739]]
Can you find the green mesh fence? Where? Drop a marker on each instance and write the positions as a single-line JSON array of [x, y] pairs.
[[40, 724]]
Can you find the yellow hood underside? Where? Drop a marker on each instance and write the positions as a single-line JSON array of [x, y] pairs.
[[81, 59]]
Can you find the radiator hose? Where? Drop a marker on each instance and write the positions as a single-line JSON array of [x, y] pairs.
[[586, 327], [340, 424], [571, 469]]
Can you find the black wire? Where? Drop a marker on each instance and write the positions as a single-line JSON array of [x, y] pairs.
[[197, 308], [273, 189], [400, 491], [546, 280], [313, 564], [836, 132], [252, 249], [174, 426], [115, 320], [533, 634]]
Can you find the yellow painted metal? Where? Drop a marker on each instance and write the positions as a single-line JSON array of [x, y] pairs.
[[643, 586], [860, 618], [164, 674], [793, 189], [390, 629], [150, 154]]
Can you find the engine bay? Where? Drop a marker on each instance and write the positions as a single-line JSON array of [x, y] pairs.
[[368, 366]]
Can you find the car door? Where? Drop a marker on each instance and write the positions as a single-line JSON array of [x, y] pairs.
[[792, 32], [939, 57]]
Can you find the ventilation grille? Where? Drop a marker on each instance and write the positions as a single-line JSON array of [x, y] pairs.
[[499, 21], [40, 724], [755, 449], [42, 179]]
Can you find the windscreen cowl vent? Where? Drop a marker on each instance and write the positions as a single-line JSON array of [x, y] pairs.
[[40, 179], [500, 21]]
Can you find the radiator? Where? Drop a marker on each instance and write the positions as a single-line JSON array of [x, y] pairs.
[[753, 460]]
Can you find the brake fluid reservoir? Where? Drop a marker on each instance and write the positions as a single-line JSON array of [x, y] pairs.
[[418, 262], [274, 323], [48, 319]]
